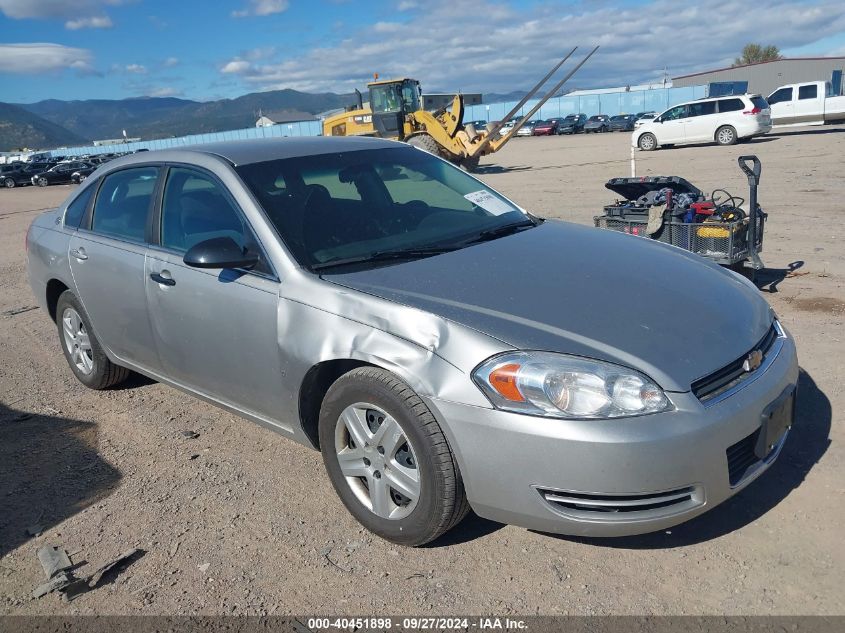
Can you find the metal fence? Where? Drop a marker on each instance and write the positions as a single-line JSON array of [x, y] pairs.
[[609, 103], [296, 128]]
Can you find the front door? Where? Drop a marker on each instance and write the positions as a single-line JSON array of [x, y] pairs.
[[106, 258], [216, 329], [672, 125]]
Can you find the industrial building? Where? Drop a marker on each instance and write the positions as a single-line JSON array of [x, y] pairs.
[[763, 77]]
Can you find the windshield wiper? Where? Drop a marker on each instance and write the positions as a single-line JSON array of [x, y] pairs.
[[501, 231], [386, 255]]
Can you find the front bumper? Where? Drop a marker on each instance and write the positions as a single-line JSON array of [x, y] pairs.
[[563, 476]]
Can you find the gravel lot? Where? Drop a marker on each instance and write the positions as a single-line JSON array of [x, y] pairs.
[[240, 520]]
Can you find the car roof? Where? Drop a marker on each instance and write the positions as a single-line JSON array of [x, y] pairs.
[[248, 151]]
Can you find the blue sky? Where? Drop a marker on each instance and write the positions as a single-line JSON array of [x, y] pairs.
[[202, 50]]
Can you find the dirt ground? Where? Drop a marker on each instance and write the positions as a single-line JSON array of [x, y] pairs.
[[240, 520]]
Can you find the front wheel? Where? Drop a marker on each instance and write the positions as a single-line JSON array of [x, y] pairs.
[[42, 182], [82, 350], [647, 142], [425, 142], [388, 459], [726, 135]]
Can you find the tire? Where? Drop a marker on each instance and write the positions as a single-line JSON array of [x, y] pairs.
[[420, 459], [9, 183], [425, 142], [726, 135], [42, 182], [82, 350], [470, 163], [647, 142]]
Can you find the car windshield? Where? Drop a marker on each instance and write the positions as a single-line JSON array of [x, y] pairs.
[[619, 117], [355, 207], [596, 118]]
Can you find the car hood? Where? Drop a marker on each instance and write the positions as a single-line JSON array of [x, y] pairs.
[[590, 292]]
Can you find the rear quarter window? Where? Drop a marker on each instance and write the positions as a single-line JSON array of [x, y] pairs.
[[731, 105], [76, 209]]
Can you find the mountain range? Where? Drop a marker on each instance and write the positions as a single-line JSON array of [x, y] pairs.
[[56, 123]]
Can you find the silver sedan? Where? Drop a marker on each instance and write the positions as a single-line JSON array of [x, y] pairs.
[[442, 347]]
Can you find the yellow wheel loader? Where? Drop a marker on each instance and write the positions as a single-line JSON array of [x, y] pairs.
[[395, 112]]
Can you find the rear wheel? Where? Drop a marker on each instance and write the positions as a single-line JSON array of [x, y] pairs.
[[388, 459], [9, 183], [726, 135], [82, 350], [647, 142]]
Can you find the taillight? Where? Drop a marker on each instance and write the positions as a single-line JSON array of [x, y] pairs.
[[752, 111]]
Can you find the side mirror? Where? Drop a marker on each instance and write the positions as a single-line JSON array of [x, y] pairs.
[[219, 252]]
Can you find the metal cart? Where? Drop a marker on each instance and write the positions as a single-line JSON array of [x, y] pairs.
[[730, 243]]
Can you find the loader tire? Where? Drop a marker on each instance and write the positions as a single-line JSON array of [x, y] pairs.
[[470, 163], [425, 142]]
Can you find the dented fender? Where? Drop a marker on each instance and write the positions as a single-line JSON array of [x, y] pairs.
[[319, 321]]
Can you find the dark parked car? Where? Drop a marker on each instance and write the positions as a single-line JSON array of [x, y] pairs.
[[572, 124], [622, 122], [23, 175], [547, 127], [63, 173], [597, 123]]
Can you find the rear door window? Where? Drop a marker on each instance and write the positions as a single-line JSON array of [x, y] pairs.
[[124, 202], [731, 105], [702, 108], [808, 92]]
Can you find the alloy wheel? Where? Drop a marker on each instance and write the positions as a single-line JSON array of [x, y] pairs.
[[726, 136], [77, 341], [377, 461]]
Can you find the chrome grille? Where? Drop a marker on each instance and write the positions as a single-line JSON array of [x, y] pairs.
[[724, 379]]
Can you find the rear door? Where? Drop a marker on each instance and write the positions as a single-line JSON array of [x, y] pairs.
[[216, 329], [809, 105], [106, 258], [702, 121]]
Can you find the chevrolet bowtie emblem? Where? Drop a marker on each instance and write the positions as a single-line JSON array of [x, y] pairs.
[[753, 361]]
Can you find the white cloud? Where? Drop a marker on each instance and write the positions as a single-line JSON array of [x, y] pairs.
[[164, 92], [136, 69], [37, 58], [236, 66], [79, 14], [407, 5], [495, 48], [170, 62], [261, 7], [94, 22]]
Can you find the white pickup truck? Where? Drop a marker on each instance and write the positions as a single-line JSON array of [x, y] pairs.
[[810, 103]]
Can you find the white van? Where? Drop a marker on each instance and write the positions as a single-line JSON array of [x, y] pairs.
[[724, 120]]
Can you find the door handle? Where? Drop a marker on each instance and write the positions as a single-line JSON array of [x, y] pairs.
[[161, 279], [79, 253]]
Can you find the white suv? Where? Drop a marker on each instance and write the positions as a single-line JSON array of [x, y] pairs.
[[721, 119]]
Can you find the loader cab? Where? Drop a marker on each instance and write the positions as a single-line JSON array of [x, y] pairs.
[[390, 102]]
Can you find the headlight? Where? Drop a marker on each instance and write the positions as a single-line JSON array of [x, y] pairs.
[[561, 386]]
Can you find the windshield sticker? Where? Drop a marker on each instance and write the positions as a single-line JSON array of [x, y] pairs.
[[489, 202]]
